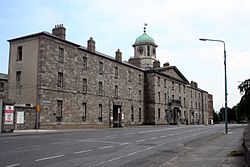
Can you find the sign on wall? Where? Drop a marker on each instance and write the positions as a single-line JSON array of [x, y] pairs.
[[9, 115], [20, 117]]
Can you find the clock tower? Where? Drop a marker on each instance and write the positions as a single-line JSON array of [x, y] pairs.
[[144, 51]]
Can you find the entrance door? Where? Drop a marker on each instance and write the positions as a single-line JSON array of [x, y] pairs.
[[117, 116]]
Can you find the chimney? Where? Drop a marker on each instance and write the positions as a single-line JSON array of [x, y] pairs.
[[59, 31], [194, 84], [166, 64], [91, 45], [156, 64], [118, 55]]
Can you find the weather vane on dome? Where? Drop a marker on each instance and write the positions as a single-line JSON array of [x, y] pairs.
[[145, 24]]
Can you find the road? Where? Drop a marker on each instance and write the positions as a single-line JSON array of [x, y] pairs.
[[146, 146]]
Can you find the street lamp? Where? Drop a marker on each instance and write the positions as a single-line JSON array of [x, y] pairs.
[[225, 67]]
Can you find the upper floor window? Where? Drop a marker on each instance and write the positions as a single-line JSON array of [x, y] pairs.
[[84, 85], [129, 76], [179, 87], [60, 80], [19, 53], [148, 50], [165, 83], [100, 88], [116, 91], [139, 80], [172, 85], [61, 55], [139, 95], [100, 67], [84, 63], [1, 86], [132, 114], [129, 93], [116, 72], [184, 89], [18, 77], [191, 94], [159, 96], [159, 81]]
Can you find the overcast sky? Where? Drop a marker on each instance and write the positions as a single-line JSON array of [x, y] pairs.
[[175, 25]]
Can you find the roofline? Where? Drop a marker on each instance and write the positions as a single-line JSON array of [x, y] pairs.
[[43, 33]]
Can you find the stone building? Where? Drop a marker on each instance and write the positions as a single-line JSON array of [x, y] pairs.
[[210, 109], [3, 86], [77, 86]]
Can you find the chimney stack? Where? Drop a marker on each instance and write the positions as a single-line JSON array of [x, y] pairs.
[[91, 45], [166, 64], [59, 31], [118, 55], [156, 64]]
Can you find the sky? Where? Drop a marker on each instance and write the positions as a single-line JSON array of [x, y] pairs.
[[175, 25]]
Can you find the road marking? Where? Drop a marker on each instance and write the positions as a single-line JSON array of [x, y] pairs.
[[83, 151], [27, 147], [159, 130], [153, 138], [130, 133], [123, 156], [12, 165], [110, 136], [105, 147], [163, 136], [47, 158], [137, 141], [122, 144], [168, 162], [99, 141], [62, 142], [171, 134]]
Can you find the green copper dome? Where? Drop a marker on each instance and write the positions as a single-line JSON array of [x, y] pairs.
[[144, 38]]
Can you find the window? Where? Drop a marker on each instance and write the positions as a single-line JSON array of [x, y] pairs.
[[1, 87], [84, 85], [84, 112], [139, 76], [60, 80], [59, 111], [172, 85], [191, 104], [18, 78], [116, 91], [19, 53], [132, 114], [139, 95], [100, 88], [129, 76], [116, 72], [100, 67], [199, 106], [184, 101], [172, 97], [165, 97], [191, 94], [196, 105], [159, 81], [159, 96], [129, 93], [100, 113], [140, 117], [195, 94], [180, 98], [84, 63], [179, 87], [184, 89], [18, 84], [199, 95], [165, 83], [159, 113], [148, 50], [61, 55]]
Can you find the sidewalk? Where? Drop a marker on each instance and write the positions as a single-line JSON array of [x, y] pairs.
[[213, 151]]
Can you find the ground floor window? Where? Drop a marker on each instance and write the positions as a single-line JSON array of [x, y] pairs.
[[59, 111]]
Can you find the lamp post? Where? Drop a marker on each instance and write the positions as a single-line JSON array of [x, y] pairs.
[[225, 68]]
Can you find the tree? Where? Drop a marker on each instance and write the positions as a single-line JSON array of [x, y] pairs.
[[244, 104], [216, 117]]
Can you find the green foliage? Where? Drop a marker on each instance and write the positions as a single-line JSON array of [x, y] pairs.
[[216, 117], [243, 108]]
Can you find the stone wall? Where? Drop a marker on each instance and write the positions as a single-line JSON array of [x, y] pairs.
[[29, 118]]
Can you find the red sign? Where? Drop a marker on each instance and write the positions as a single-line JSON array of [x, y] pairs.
[[9, 115]]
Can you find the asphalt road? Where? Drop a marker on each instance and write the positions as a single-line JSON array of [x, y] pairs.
[[147, 146]]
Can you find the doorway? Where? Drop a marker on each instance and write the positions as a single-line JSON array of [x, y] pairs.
[[117, 116]]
